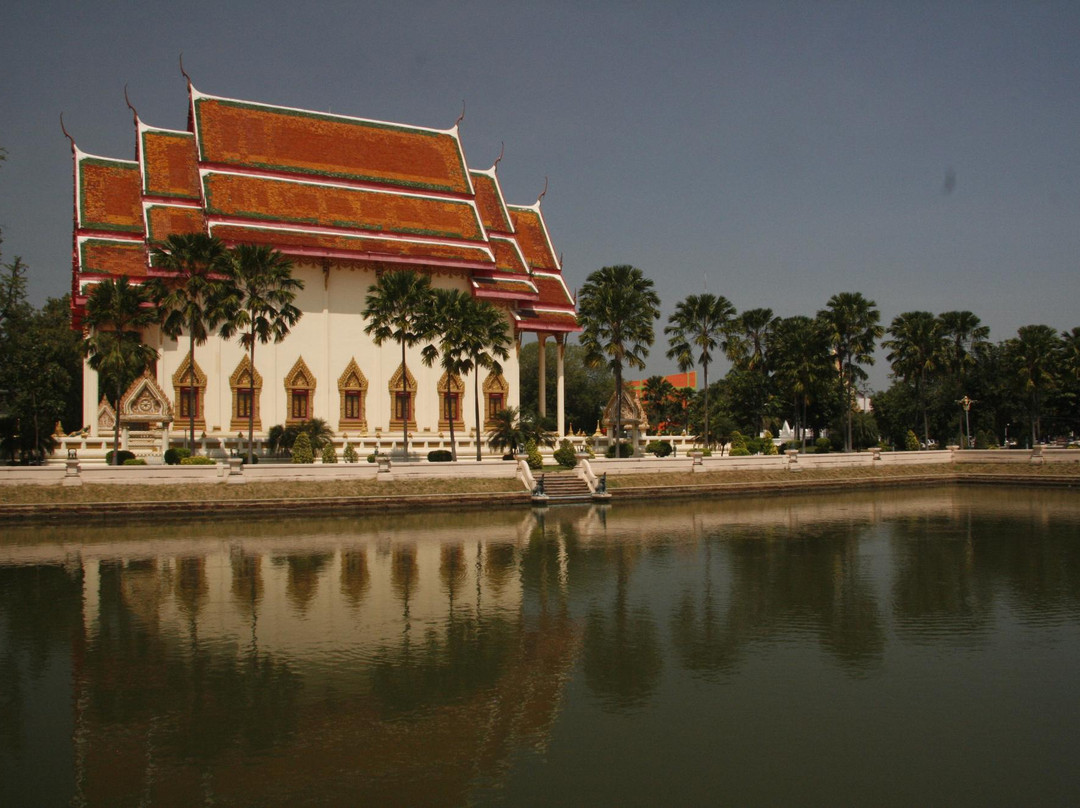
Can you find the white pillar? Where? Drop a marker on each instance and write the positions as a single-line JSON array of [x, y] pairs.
[[560, 390], [89, 398], [541, 366]]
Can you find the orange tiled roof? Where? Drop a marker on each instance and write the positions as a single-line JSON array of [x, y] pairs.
[[489, 200], [102, 256], [168, 163], [533, 237], [552, 290], [504, 289], [264, 199], [165, 220], [363, 246], [508, 257], [257, 136], [109, 195], [545, 320]]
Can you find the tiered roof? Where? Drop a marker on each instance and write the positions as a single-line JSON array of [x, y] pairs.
[[317, 186]]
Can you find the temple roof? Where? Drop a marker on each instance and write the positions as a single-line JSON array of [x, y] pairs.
[[316, 186]]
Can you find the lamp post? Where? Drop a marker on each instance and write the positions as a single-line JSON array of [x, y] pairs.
[[965, 403]]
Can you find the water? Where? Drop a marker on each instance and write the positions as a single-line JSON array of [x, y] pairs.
[[910, 648]]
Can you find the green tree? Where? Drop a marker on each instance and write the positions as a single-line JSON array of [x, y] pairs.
[[473, 335], [917, 349], [513, 429], [699, 325], [801, 366], [397, 308], [259, 306], [451, 314], [656, 398], [117, 313], [190, 297], [616, 309], [748, 348], [587, 389], [1034, 354], [852, 329]]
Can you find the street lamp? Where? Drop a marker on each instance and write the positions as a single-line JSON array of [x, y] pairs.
[[966, 403]]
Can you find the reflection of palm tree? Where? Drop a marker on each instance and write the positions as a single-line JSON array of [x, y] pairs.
[[452, 570], [703, 639], [355, 576], [303, 580], [404, 572], [623, 659]]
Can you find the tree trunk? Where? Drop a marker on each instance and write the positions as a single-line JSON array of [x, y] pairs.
[[405, 414], [116, 428], [453, 443], [251, 401], [192, 398], [705, 372], [476, 406]]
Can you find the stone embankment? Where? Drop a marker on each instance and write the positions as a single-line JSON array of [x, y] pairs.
[[72, 493]]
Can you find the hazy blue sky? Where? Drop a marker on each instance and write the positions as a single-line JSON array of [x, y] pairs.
[[924, 154]]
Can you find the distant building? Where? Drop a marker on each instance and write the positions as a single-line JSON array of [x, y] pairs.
[[677, 380], [345, 198]]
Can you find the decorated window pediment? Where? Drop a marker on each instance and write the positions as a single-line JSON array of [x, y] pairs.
[[451, 391], [352, 391], [496, 391], [245, 400], [190, 393], [402, 388], [299, 393], [145, 401]]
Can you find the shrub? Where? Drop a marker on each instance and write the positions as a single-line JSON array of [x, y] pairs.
[[660, 448], [622, 447], [822, 445], [122, 458], [566, 455], [985, 439], [440, 456], [196, 460], [374, 456], [535, 459], [175, 455], [738, 451], [350, 455], [329, 453], [301, 450], [135, 461], [911, 441]]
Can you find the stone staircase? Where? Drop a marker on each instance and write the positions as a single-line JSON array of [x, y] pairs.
[[565, 487]]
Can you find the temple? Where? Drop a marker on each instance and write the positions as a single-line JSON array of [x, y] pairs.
[[345, 199]]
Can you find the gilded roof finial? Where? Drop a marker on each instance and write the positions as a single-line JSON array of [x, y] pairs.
[[184, 72], [66, 133], [542, 192], [460, 117], [134, 112], [502, 150]]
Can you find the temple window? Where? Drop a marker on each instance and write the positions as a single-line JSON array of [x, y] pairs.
[[299, 392], [402, 389], [496, 392], [244, 404], [352, 388], [450, 390], [190, 397], [298, 410]]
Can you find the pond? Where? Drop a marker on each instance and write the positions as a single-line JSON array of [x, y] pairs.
[[902, 648]]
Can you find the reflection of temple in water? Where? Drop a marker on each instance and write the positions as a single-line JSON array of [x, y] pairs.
[[400, 661], [439, 656]]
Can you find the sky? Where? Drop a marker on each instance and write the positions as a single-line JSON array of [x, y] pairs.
[[926, 155]]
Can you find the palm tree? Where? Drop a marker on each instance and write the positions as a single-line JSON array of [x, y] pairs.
[[852, 328], [1034, 355], [450, 310], [486, 344], [917, 349], [397, 307], [656, 398], [190, 297], [802, 363], [117, 312], [964, 334], [616, 308], [260, 307], [512, 429], [748, 349], [699, 324]]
